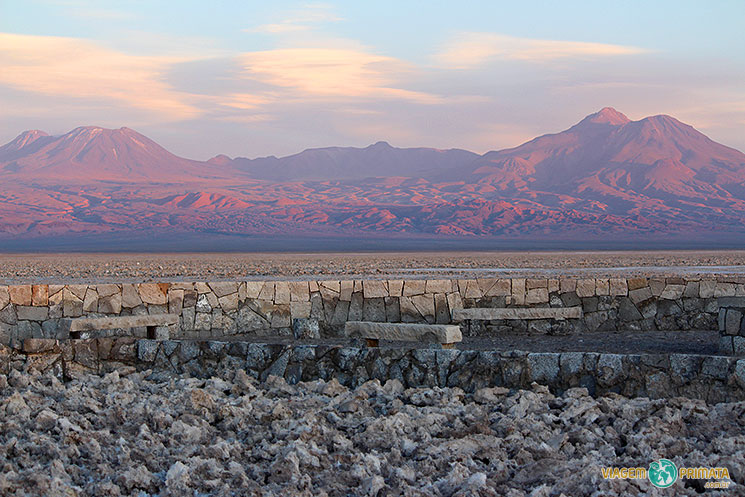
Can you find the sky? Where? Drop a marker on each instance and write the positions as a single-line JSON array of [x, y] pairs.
[[258, 78]]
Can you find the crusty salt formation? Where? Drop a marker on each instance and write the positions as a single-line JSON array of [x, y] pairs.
[[159, 434]]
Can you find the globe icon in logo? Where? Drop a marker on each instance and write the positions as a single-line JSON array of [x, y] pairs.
[[662, 473]]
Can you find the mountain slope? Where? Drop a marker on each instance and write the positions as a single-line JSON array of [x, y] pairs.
[[91, 153], [379, 159], [606, 154], [605, 177]]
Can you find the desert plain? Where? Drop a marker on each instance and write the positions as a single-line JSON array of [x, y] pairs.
[[123, 267]]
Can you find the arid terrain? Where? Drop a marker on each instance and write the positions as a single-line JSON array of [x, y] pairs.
[[605, 178], [119, 267], [154, 434], [372, 249]]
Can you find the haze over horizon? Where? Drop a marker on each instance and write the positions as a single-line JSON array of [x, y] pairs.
[[253, 80]]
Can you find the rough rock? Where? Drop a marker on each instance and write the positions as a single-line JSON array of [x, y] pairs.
[[144, 434]]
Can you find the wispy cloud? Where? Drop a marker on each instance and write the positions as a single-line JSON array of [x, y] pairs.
[[473, 49], [244, 101], [308, 63], [247, 118], [331, 72], [302, 19], [71, 67]]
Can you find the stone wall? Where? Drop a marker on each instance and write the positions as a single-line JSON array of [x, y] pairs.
[[732, 326], [313, 308], [711, 378]]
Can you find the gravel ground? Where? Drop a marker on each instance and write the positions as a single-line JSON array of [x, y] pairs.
[[143, 434], [92, 268]]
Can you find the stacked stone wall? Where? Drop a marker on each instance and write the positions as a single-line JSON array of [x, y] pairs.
[[710, 378], [732, 326], [210, 310]]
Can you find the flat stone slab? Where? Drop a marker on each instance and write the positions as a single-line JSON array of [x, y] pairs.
[[405, 332], [115, 322], [731, 301], [488, 314]]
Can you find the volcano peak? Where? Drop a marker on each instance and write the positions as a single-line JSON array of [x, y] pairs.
[[607, 115]]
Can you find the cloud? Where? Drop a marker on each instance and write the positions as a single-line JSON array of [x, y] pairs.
[[308, 63], [331, 73], [277, 28], [473, 49], [244, 101], [247, 118], [300, 20], [72, 67]]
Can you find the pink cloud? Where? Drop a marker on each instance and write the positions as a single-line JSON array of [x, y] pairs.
[[472, 49], [72, 67]]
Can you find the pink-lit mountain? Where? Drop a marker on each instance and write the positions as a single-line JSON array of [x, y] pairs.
[[606, 155], [346, 163], [604, 177], [90, 153]]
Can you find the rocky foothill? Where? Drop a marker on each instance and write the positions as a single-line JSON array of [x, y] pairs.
[[146, 433]]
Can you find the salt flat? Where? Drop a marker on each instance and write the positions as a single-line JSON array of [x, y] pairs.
[[123, 267], [144, 434]]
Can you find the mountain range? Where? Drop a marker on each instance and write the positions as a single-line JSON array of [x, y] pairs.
[[606, 177]]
